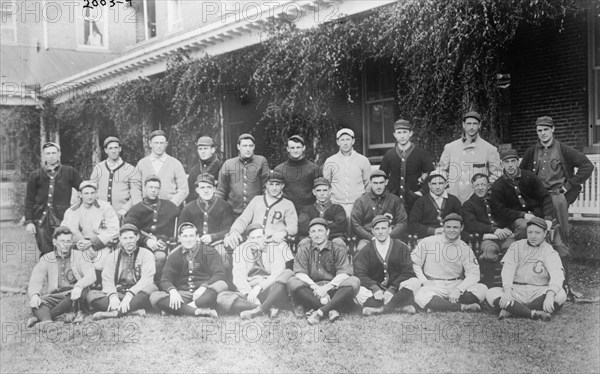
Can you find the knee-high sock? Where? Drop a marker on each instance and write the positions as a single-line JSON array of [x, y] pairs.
[[100, 305], [468, 298], [373, 303], [404, 296], [239, 305], [184, 309], [63, 307], [441, 304], [305, 297], [519, 309], [208, 299], [140, 301], [277, 293], [343, 295], [566, 262], [43, 313]]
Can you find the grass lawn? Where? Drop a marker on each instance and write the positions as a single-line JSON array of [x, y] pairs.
[[443, 342]]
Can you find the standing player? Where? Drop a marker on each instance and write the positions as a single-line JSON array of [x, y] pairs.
[[406, 165], [208, 164]]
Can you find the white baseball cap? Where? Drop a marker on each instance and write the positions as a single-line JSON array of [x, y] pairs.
[[344, 131]]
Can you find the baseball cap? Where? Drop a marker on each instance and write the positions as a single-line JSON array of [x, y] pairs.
[[297, 139], [206, 178], [156, 133], [185, 225], [205, 141], [318, 221], [378, 173], [246, 136], [129, 227], [453, 217], [472, 114], [50, 144], [509, 153], [344, 131], [111, 139], [321, 181], [378, 219], [538, 222], [61, 230], [402, 124], [275, 176], [85, 184], [544, 121]]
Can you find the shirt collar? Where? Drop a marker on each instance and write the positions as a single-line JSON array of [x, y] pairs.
[[552, 142], [114, 165], [444, 195], [51, 168], [465, 140], [383, 245], [58, 256], [518, 176], [162, 157], [327, 245]]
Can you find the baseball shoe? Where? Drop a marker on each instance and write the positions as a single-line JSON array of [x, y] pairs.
[[503, 314], [104, 315], [78, 317], [408, 309], [206, 312], [69, 317], [31, 321], [473, 308], [273, 313], [334, 315], [315, 317], [139, 313], [370, 311], [299, 311], [540, 314], [252, 313]]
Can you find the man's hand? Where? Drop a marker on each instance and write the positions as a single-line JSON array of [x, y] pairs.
[[90, 253], [175, 299], [152, 244], [35, 301], [206, 239], [75, 293], [549, 302], [30, 228], [84, 244], [378, 295], [121, 213], [387, 296], [454, 295], [279, 237], [528, 216], [198, 293], [233, 239], [113, 303], [321, 291], [124, 306], [253, 295], [501, 234], [507, 299]]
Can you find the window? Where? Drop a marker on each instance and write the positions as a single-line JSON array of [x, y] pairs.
[[381, 107], [94, 28], [174, 14], [8, 26], [146, 11]]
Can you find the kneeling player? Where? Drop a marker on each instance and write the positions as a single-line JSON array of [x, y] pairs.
[[532, 277], [439, 262], [385, 271], [192, 278]]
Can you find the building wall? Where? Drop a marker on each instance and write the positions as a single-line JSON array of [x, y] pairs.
[[549, 78]]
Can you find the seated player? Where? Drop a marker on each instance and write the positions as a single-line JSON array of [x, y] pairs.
[[67, 275], [276, 213], [260, 275], [211, 215], [518, 196], [384, 268], [127, 278], [532, 277], [323, 208], [426, 216], [322, 280], [479, 220], [94, 224], [448, 271], [377, 201], [192, 278], [155, 218]]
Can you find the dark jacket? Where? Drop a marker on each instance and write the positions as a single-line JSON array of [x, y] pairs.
[[299, 176], [217, 216], [419, 161], [570, 159], [142, 216], [36, 197], [334, 213], [210, 166], [505, 201], [207, 269], [423, 217], [370, 205], [477, 220], [369, 268]]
